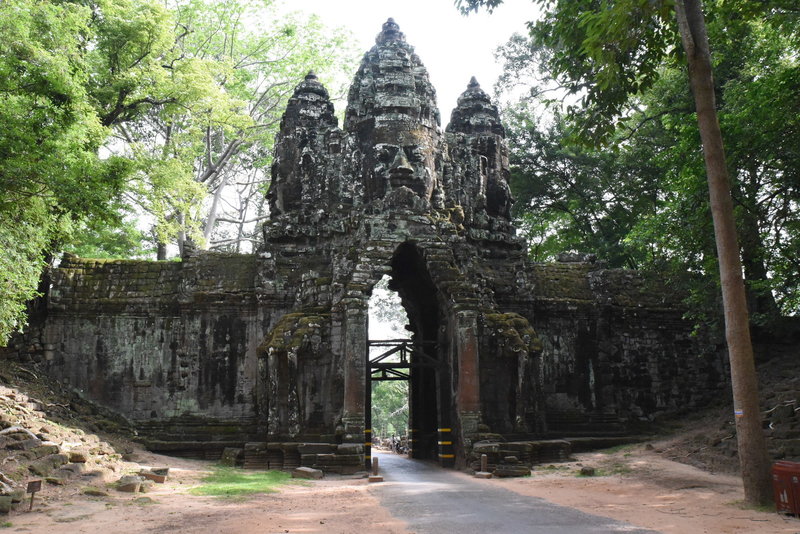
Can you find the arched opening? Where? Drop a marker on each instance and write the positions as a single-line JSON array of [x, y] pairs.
[[421, 360], [389, 407]]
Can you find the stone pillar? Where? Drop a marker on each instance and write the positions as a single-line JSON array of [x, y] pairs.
[[355, 369], [468, 399]]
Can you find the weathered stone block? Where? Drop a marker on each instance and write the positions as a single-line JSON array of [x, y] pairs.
[[78, 456], [45, 450], [149, 475], [350, 448], [47, 464], [307, 473], [316, 448], [129, 483], [512, 471]]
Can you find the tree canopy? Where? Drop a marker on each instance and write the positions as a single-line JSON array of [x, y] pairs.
[[639, 198], [118, 112]]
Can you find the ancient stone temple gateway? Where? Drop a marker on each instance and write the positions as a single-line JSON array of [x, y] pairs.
[[269, 351]]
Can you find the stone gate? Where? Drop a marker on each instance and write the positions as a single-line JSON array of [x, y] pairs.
[[269, 351]]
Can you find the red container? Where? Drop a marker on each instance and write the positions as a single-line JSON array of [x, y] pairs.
[[786, 486]]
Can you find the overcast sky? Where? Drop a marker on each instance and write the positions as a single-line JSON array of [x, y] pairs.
[[452, 47]]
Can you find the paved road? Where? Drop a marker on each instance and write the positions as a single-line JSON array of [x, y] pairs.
[[433, 500]]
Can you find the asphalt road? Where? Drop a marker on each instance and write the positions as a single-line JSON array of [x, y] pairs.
[[433, 500]]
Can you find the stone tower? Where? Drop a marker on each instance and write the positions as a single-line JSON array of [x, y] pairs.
[[392, 194], [269, 352]]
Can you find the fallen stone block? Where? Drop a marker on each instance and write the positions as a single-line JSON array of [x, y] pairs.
[[24, 445], [350, 449], [78, 456], [160, 471], [149, 475], [130, 483], [587, 471], [512, 471], [72, 469], [45, 450], [46, 465], [94, 492], [307, 472], [18, 495], [485, 448], [482, 474]]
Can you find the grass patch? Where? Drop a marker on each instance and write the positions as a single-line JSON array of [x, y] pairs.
[[230, 482], [6, 524], [618, 448], [766, 508], [607, 471]]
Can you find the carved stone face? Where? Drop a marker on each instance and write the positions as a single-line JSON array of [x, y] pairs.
[[410, 166], [405, 159]]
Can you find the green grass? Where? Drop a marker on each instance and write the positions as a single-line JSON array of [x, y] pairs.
[[767, 508], [230, 482], [618, 448], [6, 524]]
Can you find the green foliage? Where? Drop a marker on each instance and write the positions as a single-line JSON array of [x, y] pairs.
[[641, 199], [572, 198], [90, 239], [50, 172], [215, 106], [390, 408], [232, 483], [23, 237], [109, 105]]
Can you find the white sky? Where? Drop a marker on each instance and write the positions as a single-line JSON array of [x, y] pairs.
[[452, 47]]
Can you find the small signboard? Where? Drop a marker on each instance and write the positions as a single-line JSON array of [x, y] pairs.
[[33, 487]]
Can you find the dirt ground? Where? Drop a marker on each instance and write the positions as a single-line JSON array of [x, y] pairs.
[[634, 484]]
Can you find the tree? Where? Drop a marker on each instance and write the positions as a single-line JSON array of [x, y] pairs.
[[186, 88], [652, 169], [612, 52], [750, 436], [50, 173], [390, 408], [231, 68]]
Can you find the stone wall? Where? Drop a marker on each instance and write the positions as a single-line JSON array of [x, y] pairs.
[[170, 345], [616, 352]]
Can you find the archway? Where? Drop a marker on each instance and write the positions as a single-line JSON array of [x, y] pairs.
[[422, 360]]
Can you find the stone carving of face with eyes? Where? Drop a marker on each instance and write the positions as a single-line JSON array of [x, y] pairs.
[[410, 166], [405, 160]]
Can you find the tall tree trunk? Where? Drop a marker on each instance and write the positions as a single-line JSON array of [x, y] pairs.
[[750, 436], [211, 218]]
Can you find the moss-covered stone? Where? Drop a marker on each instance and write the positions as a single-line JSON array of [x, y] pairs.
[[514, 332]]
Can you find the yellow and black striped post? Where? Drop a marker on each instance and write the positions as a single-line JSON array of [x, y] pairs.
[[367, 449], [447, 457]]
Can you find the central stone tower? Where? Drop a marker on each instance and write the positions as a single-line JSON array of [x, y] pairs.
[[392, 194]]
